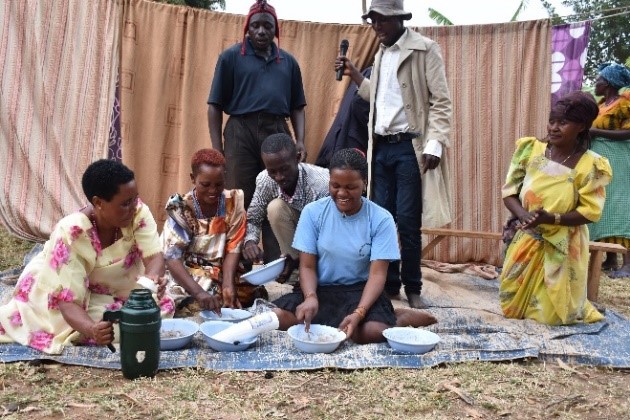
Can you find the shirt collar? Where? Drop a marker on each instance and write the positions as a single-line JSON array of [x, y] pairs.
[[398, 44]]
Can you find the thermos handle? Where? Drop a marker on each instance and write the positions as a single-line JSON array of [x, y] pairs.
[[111, 316]]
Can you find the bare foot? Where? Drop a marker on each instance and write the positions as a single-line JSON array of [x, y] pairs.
[[413, 318]]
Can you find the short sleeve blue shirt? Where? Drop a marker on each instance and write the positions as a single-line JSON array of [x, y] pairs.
[[345, 245], [247, 84]]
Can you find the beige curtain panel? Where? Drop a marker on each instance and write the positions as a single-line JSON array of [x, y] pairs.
[[499, 77], [58, 66]]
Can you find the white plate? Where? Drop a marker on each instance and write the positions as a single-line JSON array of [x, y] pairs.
[[227, 314], [411, 340], [268, 273]]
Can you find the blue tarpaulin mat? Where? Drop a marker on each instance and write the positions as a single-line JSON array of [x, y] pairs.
[[470, 326]]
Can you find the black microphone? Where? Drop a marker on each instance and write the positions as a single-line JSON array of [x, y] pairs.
[[343, 49]]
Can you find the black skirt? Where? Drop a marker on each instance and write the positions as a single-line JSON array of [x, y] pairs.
[[335, 302]]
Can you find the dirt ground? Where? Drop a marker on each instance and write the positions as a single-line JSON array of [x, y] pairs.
[[526, 389]]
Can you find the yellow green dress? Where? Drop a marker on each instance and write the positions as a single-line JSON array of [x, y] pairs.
[[74, 267], [545, 270]]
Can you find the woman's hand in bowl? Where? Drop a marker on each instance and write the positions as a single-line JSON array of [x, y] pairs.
[[230, 298], [350, 323], [306, 311], [208, 301]]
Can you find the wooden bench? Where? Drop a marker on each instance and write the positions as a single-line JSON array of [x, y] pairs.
[[596, 250]]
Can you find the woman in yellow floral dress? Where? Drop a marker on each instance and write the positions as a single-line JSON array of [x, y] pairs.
[[89, 264], [554, 187]]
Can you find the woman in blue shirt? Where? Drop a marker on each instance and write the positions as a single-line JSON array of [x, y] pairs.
[[346, 243]]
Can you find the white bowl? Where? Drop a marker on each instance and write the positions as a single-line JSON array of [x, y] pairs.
[[210, 328], [319, 339], [227, 315], [265, 274], [176, 333], [411, 340]]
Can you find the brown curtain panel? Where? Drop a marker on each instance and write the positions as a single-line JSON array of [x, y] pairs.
[[499, 76]]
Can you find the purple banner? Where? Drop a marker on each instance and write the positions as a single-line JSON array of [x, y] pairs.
[[569, 44]]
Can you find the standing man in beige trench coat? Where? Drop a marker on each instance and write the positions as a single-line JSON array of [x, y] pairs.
[[409, 123]]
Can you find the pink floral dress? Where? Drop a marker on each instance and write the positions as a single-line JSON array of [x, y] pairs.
[[73, 267]]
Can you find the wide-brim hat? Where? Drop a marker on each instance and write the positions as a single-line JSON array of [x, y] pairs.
[[387, 8]]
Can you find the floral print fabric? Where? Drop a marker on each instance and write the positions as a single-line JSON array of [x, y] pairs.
[[544, 274], [73, 267]]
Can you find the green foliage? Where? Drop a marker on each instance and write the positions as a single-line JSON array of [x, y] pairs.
[[610, 31], [439, 18], [522, 6], [200, 4]]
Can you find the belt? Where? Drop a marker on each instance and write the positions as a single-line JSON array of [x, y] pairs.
[[395, 138], [261, 115]]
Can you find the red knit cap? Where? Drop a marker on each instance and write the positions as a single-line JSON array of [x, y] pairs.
[[261, 6]]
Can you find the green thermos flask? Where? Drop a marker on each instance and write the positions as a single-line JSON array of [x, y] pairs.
[[140, 323]]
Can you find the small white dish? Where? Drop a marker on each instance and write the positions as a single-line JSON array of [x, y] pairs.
[[227, 315], [319, 339], [210, 328], [176, 333], [411, 340], [265, 274]]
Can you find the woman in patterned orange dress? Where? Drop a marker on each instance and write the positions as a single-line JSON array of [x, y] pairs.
[[202, 240]]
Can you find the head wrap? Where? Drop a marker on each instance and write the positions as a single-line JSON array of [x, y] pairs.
[[261, 6], [617, 75], [578, 107]]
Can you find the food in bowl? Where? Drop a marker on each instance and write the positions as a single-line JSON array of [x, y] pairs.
[[319, 338], [176, 333]]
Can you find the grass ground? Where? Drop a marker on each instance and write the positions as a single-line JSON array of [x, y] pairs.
[[526, 389]]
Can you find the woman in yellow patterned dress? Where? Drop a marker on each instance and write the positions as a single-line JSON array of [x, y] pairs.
[[554, 187], [202, 240], [611, 132], [89, 264]]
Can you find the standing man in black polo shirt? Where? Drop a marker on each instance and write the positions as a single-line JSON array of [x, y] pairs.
[[259, 86]]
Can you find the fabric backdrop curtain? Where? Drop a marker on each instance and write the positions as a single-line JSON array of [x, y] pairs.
[[499, 77], [58, 61], [55, 117]]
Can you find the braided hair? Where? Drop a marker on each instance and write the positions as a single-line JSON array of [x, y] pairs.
[[353, 159]]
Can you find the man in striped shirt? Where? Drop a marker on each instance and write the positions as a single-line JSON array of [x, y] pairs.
[[282, 191]]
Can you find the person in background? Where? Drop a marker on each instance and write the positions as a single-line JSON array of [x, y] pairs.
[[611, 132], [346, 243], [409, 123], [90, 264], [554, 187], [350, 126], [202, 241], [282, 191], [259, 86]]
